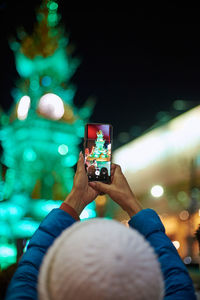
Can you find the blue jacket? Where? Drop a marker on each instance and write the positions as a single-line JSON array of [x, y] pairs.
[[178, 284]]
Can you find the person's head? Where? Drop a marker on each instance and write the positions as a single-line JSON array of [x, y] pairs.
[[100, 259]]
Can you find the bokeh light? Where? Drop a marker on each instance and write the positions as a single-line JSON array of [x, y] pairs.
[[187, 260], [184, 215], [8, 253], [46, 81], [176, 244], [63, 149], [29, 155], [157, 191], [101, 200], [88, 212]]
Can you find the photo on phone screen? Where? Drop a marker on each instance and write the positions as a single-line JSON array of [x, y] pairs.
[[98, 139]]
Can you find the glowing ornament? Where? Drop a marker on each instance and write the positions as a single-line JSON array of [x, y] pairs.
[[63, 149], [52, 5], [46, 80], [29, 154], [51, 106], [23, 107]]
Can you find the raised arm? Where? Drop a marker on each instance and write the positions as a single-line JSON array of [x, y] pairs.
[[24, 282], [178, 284]]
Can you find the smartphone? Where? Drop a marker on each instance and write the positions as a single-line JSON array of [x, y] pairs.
[[97, 151]]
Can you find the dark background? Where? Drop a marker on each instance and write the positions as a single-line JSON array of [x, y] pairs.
[[136, 63]]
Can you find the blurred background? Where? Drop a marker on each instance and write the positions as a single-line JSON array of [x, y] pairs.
[[62, 68]]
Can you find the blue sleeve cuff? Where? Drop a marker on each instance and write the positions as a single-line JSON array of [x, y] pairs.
[[146, 222]]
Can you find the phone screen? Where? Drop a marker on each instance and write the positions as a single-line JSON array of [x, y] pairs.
[[98, 138]]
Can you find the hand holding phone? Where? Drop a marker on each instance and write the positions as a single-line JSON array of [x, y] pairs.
[[81, 194], [97, 152], [119, 191]]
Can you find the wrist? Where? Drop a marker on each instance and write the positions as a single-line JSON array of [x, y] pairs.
[[74, 200], [133, 207]]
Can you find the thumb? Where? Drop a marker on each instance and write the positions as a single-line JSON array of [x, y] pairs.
[[99, 186]]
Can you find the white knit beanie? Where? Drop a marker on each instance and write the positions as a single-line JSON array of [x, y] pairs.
[[100, 259]]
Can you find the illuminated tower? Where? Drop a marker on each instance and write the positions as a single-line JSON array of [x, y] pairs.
[[41, 134]]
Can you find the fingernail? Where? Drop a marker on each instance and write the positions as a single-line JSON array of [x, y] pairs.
[[92, 183], [80, 155]]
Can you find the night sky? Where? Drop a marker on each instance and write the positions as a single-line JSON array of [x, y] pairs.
[[135, 63]]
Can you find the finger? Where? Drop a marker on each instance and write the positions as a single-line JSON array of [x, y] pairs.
[[99, 186], [112, 177], [117, 166], [117, 169], [93, 192], [115, 172], [113, 167], [80, 163]]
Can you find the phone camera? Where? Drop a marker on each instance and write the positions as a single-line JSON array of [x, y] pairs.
[[104, 171], [97, 172]]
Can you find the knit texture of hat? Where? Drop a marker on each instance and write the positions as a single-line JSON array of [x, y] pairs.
[[100, 259]]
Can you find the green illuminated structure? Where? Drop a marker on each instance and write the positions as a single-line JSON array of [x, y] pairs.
[[41, 134]]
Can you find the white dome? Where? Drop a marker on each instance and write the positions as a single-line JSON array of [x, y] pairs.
[[52, 106]]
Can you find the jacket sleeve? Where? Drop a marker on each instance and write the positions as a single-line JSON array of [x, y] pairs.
[[178, 284], [24, 282]]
